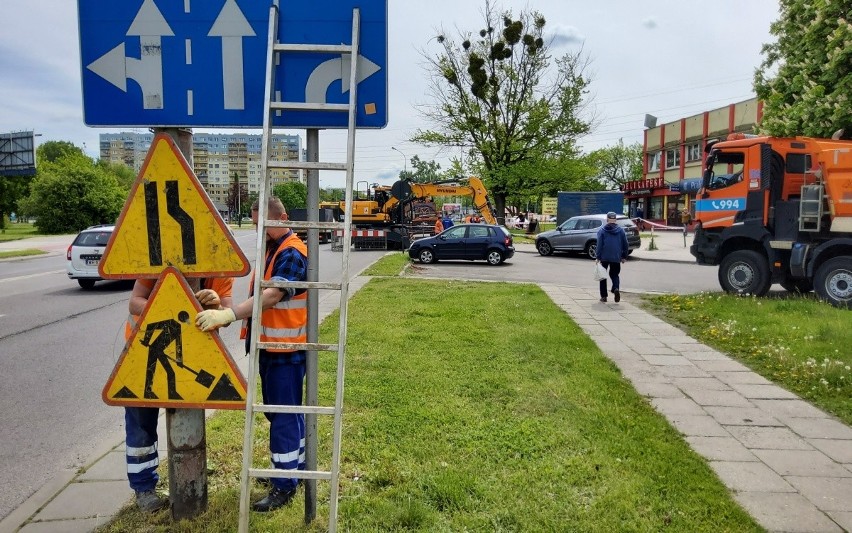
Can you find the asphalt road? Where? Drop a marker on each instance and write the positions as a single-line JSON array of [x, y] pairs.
[[58, 346], [637, 275]]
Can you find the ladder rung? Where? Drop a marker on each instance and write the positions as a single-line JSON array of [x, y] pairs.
[[297, 409], [331, 285], [308, 106], [319, 48], [306, 165], [293, 224], [299, 474], [307, 346]]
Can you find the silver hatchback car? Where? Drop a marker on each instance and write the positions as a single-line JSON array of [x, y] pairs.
[[85, 253], [580, 234]]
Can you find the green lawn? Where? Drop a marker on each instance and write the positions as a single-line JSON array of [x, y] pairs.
[[16, 231], [459, 417]]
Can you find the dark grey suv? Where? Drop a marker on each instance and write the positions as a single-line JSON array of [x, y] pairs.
[[580, 234]]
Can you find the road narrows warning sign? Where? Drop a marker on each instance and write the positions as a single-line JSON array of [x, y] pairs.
[[168, 220]]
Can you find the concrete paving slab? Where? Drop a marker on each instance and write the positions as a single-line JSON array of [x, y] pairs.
[[843, 519], [811, 463], [741, 416], [750, 476], [763, 392], [721, 449], [720, 365], [659, 359], [718, 398], [698, 426], [742, 377], [88, 499], [768, 438], [820, 428], [785, 409], [81, 525], [683, 371], [788, 512], [838, 450], [112, 467], [701, 355], [828, 494], [700, 383]]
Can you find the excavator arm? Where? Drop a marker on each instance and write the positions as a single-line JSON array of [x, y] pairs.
[[474, 189]]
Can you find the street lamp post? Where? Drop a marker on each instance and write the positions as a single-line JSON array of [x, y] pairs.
[[404, 159]]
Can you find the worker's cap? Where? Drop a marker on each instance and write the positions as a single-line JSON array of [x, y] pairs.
[[611, 215]]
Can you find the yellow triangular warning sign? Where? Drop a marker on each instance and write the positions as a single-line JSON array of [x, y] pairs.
[[168, 220], [169, 362]]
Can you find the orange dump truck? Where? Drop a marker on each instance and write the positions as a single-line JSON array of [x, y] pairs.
[[778, 210]]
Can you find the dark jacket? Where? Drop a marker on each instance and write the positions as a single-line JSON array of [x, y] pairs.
[[612, 243]]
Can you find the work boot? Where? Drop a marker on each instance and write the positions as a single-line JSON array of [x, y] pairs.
[[275, 499], [149, 501]]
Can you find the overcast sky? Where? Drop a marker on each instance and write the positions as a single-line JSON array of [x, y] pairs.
[[669, 58]]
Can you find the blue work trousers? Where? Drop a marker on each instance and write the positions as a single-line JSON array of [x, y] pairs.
[[281, 383], [140, 428]]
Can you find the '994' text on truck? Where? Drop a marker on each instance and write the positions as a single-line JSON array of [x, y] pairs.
[[778, 210]]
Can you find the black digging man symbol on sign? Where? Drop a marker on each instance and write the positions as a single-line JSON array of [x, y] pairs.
[[159, 336]]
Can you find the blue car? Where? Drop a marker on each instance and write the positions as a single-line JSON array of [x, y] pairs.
[[465, 241]]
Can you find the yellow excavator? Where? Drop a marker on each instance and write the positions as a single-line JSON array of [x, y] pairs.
[[405, 206]]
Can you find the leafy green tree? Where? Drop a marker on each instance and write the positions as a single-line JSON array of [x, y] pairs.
[[52, 151], [237, 201], [124, 175], [805, 79], [616, 165], [71, 193], [293, 194], [423, 171], [497, 93], [12, 189]]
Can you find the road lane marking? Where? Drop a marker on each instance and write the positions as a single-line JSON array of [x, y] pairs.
[[28, 276]]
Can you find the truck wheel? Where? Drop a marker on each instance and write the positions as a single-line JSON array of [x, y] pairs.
[[592, 249], [800, 286], [426, 256], [745, 272], [544, 247], [833, 282], [494, 257]]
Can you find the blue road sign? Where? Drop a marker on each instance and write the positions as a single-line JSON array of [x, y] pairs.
[[165, 63]]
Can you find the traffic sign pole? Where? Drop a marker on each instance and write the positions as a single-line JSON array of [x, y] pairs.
[[186, 431]]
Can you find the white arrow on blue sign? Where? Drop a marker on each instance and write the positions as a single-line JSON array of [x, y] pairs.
[[164, 63]]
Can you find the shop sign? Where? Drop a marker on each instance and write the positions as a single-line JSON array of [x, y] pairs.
[[653, 183]]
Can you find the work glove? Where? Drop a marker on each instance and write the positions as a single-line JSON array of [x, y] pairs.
[[214, 318], [208, 298]]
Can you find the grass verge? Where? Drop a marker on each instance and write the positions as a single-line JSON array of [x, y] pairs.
[[796, 341], [389, 265], [16, 231], [458, 420], [21, 253]]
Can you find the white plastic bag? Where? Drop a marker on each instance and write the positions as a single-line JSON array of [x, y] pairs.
[[600, 271]]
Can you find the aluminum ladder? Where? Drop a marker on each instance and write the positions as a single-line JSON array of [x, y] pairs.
[[248, 471]]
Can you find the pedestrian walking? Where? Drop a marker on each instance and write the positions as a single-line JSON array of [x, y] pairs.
[[611, 252]]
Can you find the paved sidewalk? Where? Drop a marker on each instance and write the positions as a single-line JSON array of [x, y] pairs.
[[786, 462]]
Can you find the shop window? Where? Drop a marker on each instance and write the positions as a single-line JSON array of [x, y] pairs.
[[655, 208], [693, 152], [653, 161], [673, 157]]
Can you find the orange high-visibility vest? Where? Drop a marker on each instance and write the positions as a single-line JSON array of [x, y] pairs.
[[287, 320]]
